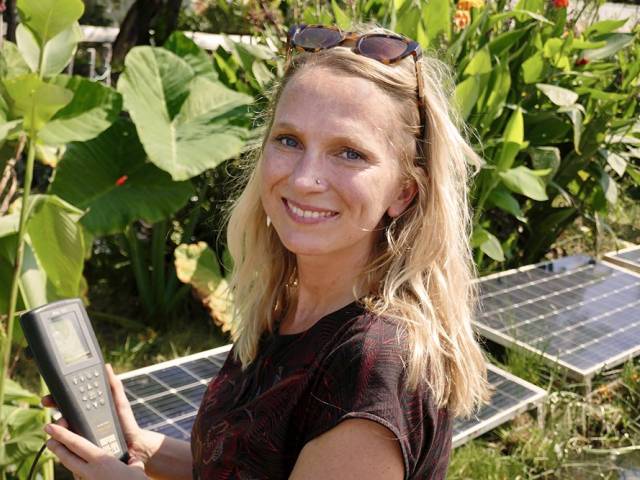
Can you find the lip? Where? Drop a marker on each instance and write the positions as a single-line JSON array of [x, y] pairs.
[[307, 220]]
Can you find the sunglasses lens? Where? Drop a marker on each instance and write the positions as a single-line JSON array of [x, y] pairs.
[[313, 38], [383, 49]]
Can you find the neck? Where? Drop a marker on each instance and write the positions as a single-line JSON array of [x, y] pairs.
[[324, 285]]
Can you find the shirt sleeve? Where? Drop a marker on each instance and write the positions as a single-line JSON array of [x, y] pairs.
[[364, 377]]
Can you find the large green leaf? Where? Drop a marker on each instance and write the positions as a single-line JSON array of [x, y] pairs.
[[558, 95], [466, 95], [533, 68], [92, 110], [52, 264], [58, 51], [526, 182], [36, 100], [184, 121], [480, 63], [436, 16], [190, 52], [47, 18], [502, 198], [110, 177], [604, 26], [488, 243], [13, 64], [615, 43], [342, 19]]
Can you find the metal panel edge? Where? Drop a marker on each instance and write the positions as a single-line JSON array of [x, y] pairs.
[[175, 361]]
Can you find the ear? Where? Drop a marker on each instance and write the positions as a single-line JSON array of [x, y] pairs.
[[404, 197]]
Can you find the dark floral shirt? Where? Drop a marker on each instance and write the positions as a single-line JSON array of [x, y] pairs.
[[253, 424]]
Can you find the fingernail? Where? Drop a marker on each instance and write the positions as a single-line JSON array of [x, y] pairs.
[[47, 428]]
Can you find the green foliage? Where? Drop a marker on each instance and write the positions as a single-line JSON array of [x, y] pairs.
[[185, 121], [110, 178]]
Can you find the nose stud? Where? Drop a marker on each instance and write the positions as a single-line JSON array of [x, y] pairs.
[[317, 181]]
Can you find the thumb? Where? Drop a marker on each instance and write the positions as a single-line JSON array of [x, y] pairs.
[[135, 462]]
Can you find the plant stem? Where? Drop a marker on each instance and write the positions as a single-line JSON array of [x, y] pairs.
[[13, 295], [158, 243], [137, 263]]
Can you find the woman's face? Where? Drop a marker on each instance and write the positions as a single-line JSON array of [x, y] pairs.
[[336, 129]]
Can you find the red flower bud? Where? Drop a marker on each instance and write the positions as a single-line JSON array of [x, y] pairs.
[[582, 61], [560, 3], [121, 180]]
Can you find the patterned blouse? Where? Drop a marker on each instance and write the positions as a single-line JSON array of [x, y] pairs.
[[253, 424]]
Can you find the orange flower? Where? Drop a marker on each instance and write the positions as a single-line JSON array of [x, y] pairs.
[[469, 4], [560, 3], [461, 19]]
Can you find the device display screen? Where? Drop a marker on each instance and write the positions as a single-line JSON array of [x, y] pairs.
[[69, 339]]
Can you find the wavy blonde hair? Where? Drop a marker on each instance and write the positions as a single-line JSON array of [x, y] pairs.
[[421, 271]]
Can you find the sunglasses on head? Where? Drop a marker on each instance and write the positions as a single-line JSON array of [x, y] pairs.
[[383, 47]]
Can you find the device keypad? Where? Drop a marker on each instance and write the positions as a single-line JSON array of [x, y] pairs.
[[88, 385]]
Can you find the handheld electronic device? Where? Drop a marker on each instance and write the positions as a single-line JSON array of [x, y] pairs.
[[68, 357]]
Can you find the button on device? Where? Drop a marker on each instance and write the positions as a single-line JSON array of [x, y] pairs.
[[82, 378], [88, 406], [75, 380], [96, 373], [102, 401], [89, 387], [81, 389], [84, 398]]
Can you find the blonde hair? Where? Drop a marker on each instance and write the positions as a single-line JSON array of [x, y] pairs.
[[421, 271]]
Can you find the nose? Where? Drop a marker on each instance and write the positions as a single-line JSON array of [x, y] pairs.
[[308, 169]]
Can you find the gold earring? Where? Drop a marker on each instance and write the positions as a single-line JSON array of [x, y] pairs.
[[268, 221]]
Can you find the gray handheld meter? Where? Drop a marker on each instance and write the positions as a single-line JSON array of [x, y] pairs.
[[66, 351]]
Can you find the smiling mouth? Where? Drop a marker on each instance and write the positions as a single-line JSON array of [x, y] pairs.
[[308, 214]]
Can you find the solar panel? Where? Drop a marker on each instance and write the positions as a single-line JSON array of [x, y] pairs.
[[165, 397], [627, 258], [511, 396], [582, 314]]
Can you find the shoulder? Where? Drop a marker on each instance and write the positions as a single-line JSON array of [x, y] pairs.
[[370, 340]]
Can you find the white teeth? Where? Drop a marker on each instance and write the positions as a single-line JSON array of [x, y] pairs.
[[308, 213]]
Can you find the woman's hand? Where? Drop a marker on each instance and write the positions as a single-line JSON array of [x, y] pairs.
[[88, 461], [133, 434]]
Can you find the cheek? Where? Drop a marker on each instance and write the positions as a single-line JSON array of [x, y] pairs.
[[273, 170]]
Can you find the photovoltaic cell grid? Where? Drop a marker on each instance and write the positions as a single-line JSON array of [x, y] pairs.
[[165, 397], [626, 258], [582, 314], [511, 396]]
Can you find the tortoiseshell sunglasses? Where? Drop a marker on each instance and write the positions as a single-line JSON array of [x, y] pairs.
[[386, 48]]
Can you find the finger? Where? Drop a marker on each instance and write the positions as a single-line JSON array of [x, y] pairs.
[[62, 422], [136, 463], [123, 407], [76, 444], [75, 464]]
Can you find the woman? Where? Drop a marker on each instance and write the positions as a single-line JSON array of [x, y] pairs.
[[353, 348]]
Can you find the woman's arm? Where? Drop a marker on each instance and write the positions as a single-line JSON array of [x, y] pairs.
[[166, 457], [354, 449]]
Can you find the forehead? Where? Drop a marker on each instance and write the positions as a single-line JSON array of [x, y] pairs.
[[329, 101]]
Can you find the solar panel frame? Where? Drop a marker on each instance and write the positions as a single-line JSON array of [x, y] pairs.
[[583, 374], [628, 257], [473, 430]]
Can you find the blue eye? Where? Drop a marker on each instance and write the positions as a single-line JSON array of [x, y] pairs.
[[287, 141], [351, 154]]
